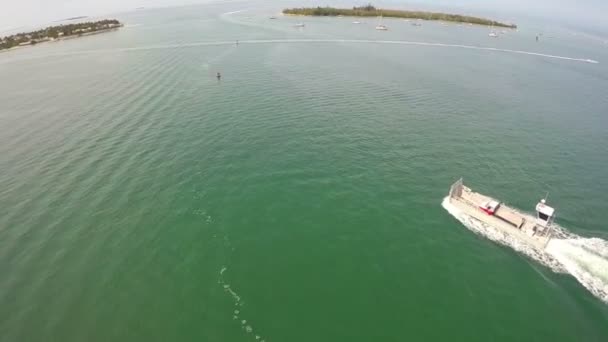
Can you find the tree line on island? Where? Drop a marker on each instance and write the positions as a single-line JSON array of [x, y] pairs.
[[371, 11], [56, 32]]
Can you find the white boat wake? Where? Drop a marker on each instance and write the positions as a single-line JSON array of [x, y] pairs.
[[234, 12], [316, 41], [363, 41], [586, 259]]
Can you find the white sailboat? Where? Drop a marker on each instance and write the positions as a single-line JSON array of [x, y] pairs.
[[493, 33], [381, 27]]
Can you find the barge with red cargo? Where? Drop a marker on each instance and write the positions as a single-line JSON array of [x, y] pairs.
[[533, 231]]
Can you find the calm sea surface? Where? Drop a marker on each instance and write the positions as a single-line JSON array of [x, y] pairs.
[[299, 198]]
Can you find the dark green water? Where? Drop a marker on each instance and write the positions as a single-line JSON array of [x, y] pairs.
[[143, 200]]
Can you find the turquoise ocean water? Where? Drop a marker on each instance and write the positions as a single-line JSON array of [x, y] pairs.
[[299, 198]]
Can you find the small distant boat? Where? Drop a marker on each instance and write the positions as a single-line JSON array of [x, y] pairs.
[[299, 25], [273, 17], [493, 33], [381, 27], [356, 22], [415, 23]]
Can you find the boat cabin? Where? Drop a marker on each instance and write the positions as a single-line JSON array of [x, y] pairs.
[[544, 213]]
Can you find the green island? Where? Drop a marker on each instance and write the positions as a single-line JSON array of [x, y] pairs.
[[371, 11], [52, 33]]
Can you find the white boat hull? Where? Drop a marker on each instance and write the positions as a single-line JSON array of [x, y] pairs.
[[509, 221]]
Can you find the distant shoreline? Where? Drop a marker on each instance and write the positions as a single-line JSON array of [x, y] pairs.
[[59, 39], [370, 11], [57, 33]]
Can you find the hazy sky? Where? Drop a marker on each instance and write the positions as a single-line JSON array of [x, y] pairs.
[[594, 13], [16, 13]]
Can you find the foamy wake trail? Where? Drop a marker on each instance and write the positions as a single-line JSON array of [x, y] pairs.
[[586, 259], [238, 303], [317, 41]]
